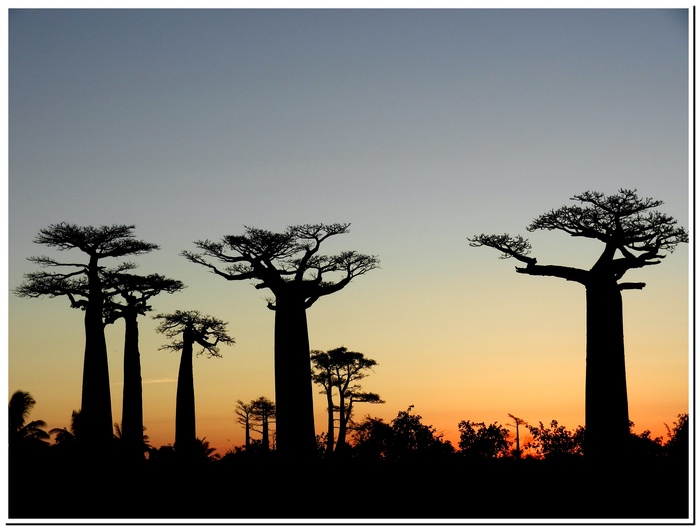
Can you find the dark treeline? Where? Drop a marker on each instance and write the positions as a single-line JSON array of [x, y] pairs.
[[398, 469]]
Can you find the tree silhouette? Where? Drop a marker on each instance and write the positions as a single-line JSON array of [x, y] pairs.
[[556, 442], [207, 332], [477, 440], [24, 434], [340, 369], [263, 411], [405, 440], [626, 224], [256, 415], [244, 417], [290, 266], [86, 289], [135, 292], [67, 438], [517, 422]]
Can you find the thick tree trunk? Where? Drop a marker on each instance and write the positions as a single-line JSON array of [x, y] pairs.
[[295, 426], [185, 417], [132, 417], [607, 411], [96, 395]]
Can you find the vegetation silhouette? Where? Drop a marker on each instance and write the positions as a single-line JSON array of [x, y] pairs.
[[340, 369], [135, 293], [626, 224], [207, 332], [405, 455], [23, 433], [290, 266], [87, 287]]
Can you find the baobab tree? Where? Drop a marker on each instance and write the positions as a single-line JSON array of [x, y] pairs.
[[633, 235], [84, 284], [290, 266], [244, 417], [207, 332], [339, 369], [258, 412], [263, 412], [130, 298]]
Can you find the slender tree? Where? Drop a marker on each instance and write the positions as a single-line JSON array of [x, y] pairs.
[[340, 369], [83, 283], [132, 294], [633, 236], [207, 332], [517, 422], [244, 417], [290, 266], [263, 412]]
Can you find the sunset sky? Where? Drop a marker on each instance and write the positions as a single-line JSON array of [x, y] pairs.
[[420, 128]]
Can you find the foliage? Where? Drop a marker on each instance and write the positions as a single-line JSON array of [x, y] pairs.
[[556, 442], [678, 443], [340, 370], [405, 439], [477, 440], [21, 432], [204, 330], [276, 260]]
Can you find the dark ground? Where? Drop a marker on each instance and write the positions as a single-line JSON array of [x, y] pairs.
[[45, 489]]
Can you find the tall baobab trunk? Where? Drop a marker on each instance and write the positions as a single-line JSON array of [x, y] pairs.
[[132, 416], [607, 409], [96, 395], [295, 431], [185, 418]]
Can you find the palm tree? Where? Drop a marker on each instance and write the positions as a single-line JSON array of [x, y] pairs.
[[21, 432], [68, 437]]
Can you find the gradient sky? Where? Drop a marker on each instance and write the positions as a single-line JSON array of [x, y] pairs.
[[420, 128]]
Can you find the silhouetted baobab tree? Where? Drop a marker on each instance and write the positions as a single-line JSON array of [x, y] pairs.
[[263, 412], [340, 369], [633, 235], [207, 332], [290, 266], [85, 287], [244, 417], [135, 293]]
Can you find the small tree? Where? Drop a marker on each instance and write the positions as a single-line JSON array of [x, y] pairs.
[[556, 442], [244, 417], [633, 235], [207, 332], [24, 433], [340, 369], [263, 412], [405, 439], [517, 422], [477, 440], [290, 266]]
